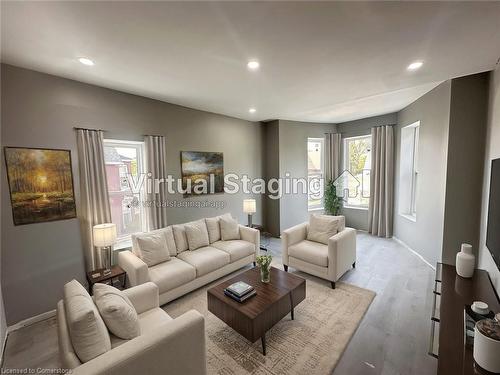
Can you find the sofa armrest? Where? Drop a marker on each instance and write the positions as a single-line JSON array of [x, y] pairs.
[[144, 297], [175, 347], [290, 237], [136, 269], [251, 235], [341, 253]]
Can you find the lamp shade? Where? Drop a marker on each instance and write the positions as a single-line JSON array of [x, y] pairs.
[[249, 206], [104, 234]]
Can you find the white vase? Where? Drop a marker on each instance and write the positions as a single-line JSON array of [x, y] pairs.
[[465, 261]]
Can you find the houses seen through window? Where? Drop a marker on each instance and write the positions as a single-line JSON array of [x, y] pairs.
[[357, 161]]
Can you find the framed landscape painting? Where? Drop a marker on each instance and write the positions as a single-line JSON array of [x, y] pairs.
[[40, 184], [198, 167]]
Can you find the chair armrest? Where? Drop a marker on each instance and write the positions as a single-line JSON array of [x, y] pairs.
[[136, 269], [251, 235], [175, 347], [290, 237], [341, 253], [144, 297]]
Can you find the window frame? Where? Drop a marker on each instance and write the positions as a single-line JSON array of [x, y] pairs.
[[345, 155], [321, 205], [126, 240], [408, 209]]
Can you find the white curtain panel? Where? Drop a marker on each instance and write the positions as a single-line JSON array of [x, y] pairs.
[[94, 200], [156, 164], [380, 209], [332, 159]]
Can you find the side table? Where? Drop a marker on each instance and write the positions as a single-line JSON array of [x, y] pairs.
[[263, 234], [98, 276]]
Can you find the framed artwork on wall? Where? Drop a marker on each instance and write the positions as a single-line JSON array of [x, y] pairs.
[[40, 184], [202, 168]]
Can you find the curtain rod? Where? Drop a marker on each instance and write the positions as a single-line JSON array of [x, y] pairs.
[[98, 130], [152, 135]]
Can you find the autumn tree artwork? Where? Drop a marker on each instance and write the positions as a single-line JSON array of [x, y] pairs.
[[202, 172], [41, 185]]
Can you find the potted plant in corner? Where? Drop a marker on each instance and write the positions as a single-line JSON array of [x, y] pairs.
[[332, 201]]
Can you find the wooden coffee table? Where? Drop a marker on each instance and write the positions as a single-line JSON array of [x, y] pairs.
[[254, 317]]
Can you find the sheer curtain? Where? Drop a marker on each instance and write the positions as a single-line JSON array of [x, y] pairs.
[[332, 159], [156, 164], [95, 208], [380, 209]]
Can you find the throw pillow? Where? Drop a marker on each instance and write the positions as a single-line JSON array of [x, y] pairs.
[[89, 335], [117, 311], [153, 248], [213, 227], [229, 229], [180, 238], [340, 218], [197, 234], [169, 235], [321, 228]]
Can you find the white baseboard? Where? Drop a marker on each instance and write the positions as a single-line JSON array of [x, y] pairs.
[[30, 321], [414, 252]]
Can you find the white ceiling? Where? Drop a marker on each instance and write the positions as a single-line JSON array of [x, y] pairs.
[[320, 61]]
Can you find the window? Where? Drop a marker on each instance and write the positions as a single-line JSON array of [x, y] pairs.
[[125, 160], [315, 172], [357, 161], [408, 173]]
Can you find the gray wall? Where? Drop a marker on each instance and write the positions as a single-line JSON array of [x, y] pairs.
[[272, 170], [3, 322], [464, 180], [426, 234], [293, 159], [40, 110], [358, 217], [492, 152]]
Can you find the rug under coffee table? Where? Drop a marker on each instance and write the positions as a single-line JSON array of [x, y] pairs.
[[254, 317]]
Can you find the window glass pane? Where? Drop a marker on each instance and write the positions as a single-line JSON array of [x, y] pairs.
[[315, 166], [358, 163], [123, 161]]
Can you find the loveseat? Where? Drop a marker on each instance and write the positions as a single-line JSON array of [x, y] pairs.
[[195, 256]]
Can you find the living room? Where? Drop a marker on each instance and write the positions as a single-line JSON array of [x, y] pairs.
[[340, 159]]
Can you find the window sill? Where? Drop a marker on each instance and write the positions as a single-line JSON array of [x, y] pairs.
[[356, 208], [316, 209], [409, 217], [123, 245]]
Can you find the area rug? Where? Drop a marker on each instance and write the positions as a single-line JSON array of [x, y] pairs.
[[311, 344]]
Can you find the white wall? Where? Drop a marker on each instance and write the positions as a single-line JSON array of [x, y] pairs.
[[492, 152]]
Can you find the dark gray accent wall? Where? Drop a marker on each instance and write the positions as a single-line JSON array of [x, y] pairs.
[[272, 170], [425, 235], [464, 178], [358, 217], [40, 110]]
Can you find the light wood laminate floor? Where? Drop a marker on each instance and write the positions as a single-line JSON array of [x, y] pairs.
[[391, 339]]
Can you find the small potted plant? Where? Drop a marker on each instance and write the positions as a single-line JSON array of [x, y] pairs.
[[264, 262]]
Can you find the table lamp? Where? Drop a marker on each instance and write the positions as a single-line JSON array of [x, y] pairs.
[[249, 207], [104, 237]]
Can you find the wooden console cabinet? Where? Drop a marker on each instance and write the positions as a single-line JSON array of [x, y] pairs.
[[451, 294]]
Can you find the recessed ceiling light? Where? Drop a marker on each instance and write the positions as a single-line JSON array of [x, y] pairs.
[[86, 61], [415, 65], [253, 65], [252, 110]]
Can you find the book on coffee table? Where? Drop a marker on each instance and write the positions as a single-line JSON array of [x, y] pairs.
[[239, 289], [242, 298]]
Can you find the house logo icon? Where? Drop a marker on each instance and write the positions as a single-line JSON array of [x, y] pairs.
[[347, 185]]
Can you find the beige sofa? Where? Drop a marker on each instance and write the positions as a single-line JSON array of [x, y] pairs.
[[187, 269], [328, 262], [166, 346]]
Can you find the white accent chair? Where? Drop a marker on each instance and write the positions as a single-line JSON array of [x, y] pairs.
[[166, 346], [328, 262]]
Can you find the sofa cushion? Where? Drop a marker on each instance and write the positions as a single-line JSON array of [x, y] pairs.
[[151, 319], [213, 227], [236, 249], [153, 248], [205, 259], [89, 335], [310, 252], [229, 229], [169, 236], [169, 275], [180, 238], [117, 311], [321, 228], [197, 234]]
